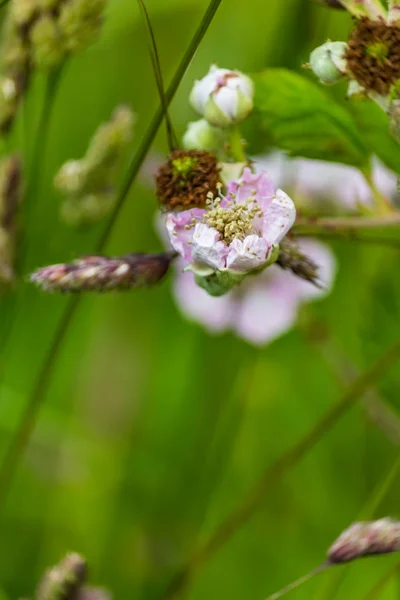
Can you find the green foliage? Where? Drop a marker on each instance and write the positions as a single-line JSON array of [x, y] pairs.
[[297, 115]]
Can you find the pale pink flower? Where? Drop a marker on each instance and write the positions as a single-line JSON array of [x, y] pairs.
[[317, 181], [263, 307], [236, 232]]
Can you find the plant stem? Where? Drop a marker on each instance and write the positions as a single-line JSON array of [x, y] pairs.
[[382, 203], [351, 236], [344, 224], [25, 428], [275, 472], [298, 582], [236, 149]]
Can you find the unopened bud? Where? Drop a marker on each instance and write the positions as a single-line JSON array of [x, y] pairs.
[[8, 102], [200, 135], [46, 42], [365, 539], [23, 11], [223, 97], [110, 139], [71, 178], [63, 581], [80, 22], [101, 274], [328, 62], [292, 258]]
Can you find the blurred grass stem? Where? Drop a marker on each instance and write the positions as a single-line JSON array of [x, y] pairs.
[[275, 472], [27, 423]]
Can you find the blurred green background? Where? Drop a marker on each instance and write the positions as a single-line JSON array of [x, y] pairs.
[[152, 431]]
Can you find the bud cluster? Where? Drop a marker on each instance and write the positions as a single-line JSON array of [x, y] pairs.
[[366, 539], [103, 274], [88, 184], [10, 195], [66, 581], [40, 33]]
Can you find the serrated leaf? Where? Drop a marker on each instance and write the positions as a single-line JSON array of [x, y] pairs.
[[297, 115], [373, 123]]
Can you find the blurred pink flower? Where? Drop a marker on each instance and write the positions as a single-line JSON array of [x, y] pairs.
[[318, 181], [237, 231], [264, 306]]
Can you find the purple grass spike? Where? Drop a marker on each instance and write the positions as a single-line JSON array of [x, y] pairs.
[[103, 274]]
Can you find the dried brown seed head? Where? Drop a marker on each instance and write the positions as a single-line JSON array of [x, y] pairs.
[[373, 55], [186, 178]]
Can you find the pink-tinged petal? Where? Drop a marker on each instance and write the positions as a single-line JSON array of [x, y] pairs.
[[278, 218], [215, 314], [322, 255], [179, 236], [246, 255], [245, 186], [207, 247], [268, 309]]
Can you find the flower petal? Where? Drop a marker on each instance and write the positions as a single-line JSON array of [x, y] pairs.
[[268, 308], [246, 255], [278, 218], [207, 248], [179, 236], [244, 187]]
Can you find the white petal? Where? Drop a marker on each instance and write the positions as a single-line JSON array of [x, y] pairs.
[[246, 255], [278, 218], [207, 248]]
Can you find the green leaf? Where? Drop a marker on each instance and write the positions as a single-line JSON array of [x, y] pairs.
[[296, 115], [373, 122]]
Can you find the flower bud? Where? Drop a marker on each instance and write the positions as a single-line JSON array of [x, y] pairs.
[[71, 178], [8, 102], [328, 62], [47, 45], [63, 581], [223, 97], [200, 135], [80, 22], [23, 11], [102, 274], [365, 539]]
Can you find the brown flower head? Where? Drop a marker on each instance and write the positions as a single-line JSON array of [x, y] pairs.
[[366, 539], [185, 180], [102, 274], [373, 55]]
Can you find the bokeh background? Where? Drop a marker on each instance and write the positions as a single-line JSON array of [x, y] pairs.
[[152, 431]]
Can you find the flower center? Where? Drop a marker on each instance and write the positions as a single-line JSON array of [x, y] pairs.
[[373, 55], [233, 220]]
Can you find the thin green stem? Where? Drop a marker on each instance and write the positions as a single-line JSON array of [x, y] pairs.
[[298, 582], [275, 472], [39, 150], [351, 236], [236, 148], [383, 205], [28, 420], [344, 224]]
